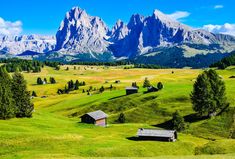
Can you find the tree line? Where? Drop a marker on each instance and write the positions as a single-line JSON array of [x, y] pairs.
[[14, 96], [149, 66], [225, 62], [15, 64]]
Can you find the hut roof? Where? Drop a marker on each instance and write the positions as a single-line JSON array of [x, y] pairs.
[[155, 133], [131, 88], [97, 115]]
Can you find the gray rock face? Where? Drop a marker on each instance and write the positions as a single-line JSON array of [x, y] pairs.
[[18, 44], [81, 33], [158, 30]]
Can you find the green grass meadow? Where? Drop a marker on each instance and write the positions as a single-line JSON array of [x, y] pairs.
[[55, 130]]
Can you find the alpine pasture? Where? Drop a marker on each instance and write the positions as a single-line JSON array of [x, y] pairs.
[[55, 130]]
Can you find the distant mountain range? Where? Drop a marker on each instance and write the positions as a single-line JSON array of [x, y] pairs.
[[155, 39]]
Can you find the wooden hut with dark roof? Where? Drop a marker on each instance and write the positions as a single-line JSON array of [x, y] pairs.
[[98, 118], [154, 134], [131, 90]]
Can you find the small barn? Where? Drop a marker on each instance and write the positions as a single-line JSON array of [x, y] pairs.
[[131, 90], [98, 118], [154, 134], [152, 89]]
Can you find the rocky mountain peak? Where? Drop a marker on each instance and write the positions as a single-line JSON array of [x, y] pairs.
[[136, 19], [81, 33]]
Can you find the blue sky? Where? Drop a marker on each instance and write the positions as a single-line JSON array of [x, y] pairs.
[[44, 16]]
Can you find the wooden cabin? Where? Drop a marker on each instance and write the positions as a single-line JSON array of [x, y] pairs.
[[98, 118], [131, 90], [152, 89], [154, 134]]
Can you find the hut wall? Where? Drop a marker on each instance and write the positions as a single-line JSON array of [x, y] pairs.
[[101, 122]]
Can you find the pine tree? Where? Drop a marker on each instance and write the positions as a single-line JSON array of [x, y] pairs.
[[122, 118], [146, 83], [45, 80], [71, 85], [57, 68], [160, 85], [102, 89], [218, 90], [39, 81], [178, 122], [34, 94], [52, 80], [7, 108], [83, 83], [76, 87], [208, 96], [134, 84], [21, 96]]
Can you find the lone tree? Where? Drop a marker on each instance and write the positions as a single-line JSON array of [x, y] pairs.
[[160, 85], [34, 94], [39, 81], [122, 118], [178, 122], [21, 96], [209, 96], [45, 80], [146, 83], [101, 89], [7, 108], [52, 80], [57, 68]]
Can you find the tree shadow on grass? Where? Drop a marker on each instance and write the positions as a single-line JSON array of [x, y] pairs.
[[118, 97], [165, 125], [191, 118]]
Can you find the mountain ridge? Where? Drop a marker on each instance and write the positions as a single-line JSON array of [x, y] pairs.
[[84, 37]]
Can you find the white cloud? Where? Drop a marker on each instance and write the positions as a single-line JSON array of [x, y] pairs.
[[10, 28], [218, 6], [179, 15], [222, 29]]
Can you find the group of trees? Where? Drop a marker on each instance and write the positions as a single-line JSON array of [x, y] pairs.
[[44, 81], [134, 84], [208, 98], [149, 66], [225, 62], [114, 63], [14, 96], [209, 95], [100, 90], [148, 84], [13, 65], [71, 86], [19, 65]]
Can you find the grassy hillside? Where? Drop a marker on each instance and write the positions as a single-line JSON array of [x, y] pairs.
[[55, 130]]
